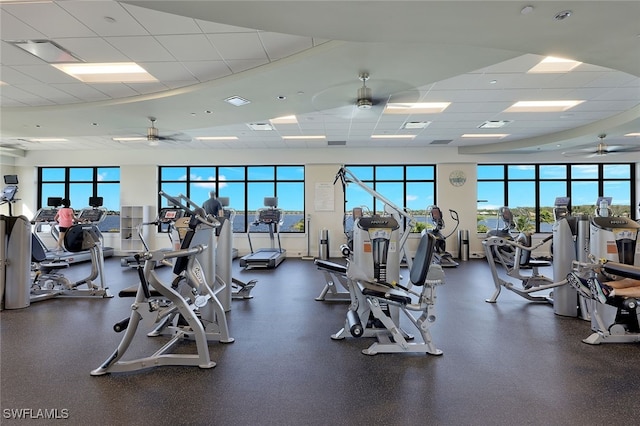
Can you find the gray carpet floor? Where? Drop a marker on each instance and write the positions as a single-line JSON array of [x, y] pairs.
[[509, 363]]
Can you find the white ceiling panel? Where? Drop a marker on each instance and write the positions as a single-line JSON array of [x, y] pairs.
[[49, 19], [168, 71], [14, 77], [200, 48], [141, 49], [208, 70], [280, 46], [105, 18], [162, 23], [82, 91], [239, 46], [45, 73], [92, 49], [12, 28], [239, 65]]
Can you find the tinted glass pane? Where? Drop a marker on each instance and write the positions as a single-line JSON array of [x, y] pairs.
[[79, 194], [231, 173], [108, 174], [548, 192], [358, 197], [199, 191], [290, 172], [584, 196], [490, 199], [620, 191], [173, 189], [553, 172], [256, 194], [389, 173], [52, 174], [235, 193], [110, 193], [361, 172], [617, 171], [521, 171], [420, 172], [393, 192], [291, 196], [51, 190], [522, 202], [202, 173], [490, 172], [584, 171], [173, 173], [419, 195], [81, 174], [261, 173]]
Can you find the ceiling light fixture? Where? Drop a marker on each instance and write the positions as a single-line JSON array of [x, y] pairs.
[[551, 64], [393, 136], [47, 50], [48, 140], [543, 106], [287, 119], [303, 137], [217, 138], [494, 124], [117, 72], [237, 101], [485, 135], [415, 107], [635, 134], [410, 125]]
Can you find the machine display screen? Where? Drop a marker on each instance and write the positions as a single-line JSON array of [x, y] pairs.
[[91, 215]]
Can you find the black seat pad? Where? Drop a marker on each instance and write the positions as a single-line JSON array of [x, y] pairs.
[[331, 266], [383, 292]]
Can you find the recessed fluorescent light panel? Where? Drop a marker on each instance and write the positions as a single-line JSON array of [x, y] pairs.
[[494, 124], [47, 50], [260, 126], [551, 64], [393, 136], [288, 119], [542, 106], [303, 137], [409, 125], [485, 135], [217, 138], [120, 72], [48, 140], [130, 139], [237, 101], [633, 134], [415, 107]]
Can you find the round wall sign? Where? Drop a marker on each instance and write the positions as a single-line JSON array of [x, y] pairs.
[[457, 178]]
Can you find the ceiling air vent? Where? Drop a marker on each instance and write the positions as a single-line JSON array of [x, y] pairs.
[[336, 143], [441, 141]]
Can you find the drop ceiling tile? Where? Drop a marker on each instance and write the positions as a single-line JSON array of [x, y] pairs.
[[82, 91], [141, 49], [190, 47], [207, 70], [239, 65], [209, 27], [280, 46], [238, 46], [49, 19], [45, 74], [105, 18], [14, 77], [162, 23], [93, 49], [12, 28], [115, 90], [174, 71]]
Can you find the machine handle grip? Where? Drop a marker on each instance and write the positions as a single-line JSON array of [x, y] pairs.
[[121, 325]]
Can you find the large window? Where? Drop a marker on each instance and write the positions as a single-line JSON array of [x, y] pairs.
[[245, 186], [530, 191], [412, 187], [78, 184]]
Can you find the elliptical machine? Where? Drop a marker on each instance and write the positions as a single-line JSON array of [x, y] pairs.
[[441, 256]]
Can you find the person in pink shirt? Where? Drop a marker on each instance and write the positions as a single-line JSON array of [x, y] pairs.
[[65, 218]]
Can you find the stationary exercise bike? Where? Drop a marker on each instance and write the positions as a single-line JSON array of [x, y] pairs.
[[440, 255]]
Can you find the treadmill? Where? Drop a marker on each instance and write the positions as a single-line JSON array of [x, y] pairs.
[[266, 258]]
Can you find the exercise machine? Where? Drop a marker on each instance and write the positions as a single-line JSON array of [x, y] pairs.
[[378, 297], [165, 223], [270, 257], [612, 244], [505, 250], [441, 256], [79, 238], [15, 246], [185, 308]]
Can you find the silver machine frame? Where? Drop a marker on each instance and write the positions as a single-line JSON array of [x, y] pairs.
[[373, 279], [187, 297]]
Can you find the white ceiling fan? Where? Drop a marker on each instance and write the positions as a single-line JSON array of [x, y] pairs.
[[153, 136], [601, 149]]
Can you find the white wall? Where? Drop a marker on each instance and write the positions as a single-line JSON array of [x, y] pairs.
[[139, 181]]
